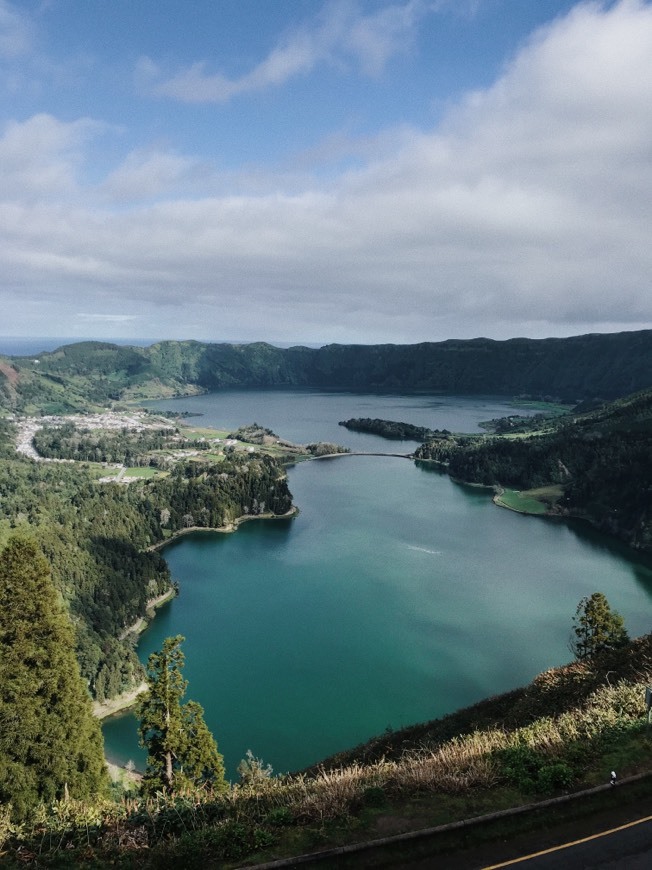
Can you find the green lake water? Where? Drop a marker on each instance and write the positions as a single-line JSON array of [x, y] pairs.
[[394, 597]]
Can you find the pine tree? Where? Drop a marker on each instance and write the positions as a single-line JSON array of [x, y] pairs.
[[50, 743], [596, 627], [181, 751]]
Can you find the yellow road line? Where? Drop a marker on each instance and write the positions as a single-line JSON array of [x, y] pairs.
[[568, 845]]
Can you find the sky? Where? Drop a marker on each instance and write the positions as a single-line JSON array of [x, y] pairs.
[[317, 171]]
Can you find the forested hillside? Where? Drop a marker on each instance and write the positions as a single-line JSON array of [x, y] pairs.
[[96, 536], [93, 373], [596, 465], [50, 743]]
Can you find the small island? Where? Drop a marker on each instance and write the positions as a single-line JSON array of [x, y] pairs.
[[391, 429]]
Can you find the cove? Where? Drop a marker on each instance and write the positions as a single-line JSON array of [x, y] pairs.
[[394, 597]]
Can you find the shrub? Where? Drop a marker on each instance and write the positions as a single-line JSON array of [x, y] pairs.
[[374, 796], [228, 841], [279, 817], [553, 777], [520, 765], [253, 771]]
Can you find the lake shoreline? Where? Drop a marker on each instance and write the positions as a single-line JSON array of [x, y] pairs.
[[139, 626], [120, 704], [223, 530], [126, 700]]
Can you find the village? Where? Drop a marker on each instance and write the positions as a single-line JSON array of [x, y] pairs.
[[27, 427], [210, 444]]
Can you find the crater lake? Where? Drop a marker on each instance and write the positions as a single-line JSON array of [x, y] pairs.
[[394, 597]]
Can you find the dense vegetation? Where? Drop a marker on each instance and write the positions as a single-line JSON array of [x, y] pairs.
[[127, 447], [50, 743], [213, 496], [96, 539], [600, 461], [254, 433], [390, 428], [7, 439], [96, 373]]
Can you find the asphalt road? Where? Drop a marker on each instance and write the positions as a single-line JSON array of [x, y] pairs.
[[619, 838], [624, 848]]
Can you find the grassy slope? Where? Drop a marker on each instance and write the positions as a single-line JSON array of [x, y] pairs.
[[529, 502]]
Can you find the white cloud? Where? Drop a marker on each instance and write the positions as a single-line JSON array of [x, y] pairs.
[[147, 174], [27, 69], [40, 156], [527, 211], [340, 34]]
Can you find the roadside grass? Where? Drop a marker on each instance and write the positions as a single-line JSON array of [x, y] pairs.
[[379, 815], [626, 756], [469, 775]]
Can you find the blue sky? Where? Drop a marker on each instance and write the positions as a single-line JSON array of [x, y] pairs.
[[339, 171]]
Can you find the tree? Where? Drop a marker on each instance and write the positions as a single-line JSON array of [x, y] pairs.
[[181, 751], [50, 743], [596, 627]]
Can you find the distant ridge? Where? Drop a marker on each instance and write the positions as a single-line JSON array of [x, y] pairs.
[[11, 345], [604, 366]]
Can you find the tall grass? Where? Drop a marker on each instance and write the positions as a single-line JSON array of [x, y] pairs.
[[547, 753]]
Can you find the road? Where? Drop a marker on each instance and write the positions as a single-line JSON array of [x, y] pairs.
[[616, 838], [626, 847]]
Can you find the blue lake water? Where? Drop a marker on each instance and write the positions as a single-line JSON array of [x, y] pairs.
[[305, 416], [394, 597]]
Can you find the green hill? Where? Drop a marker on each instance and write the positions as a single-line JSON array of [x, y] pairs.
[[596, 466], [569, 369], [98, 538]]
